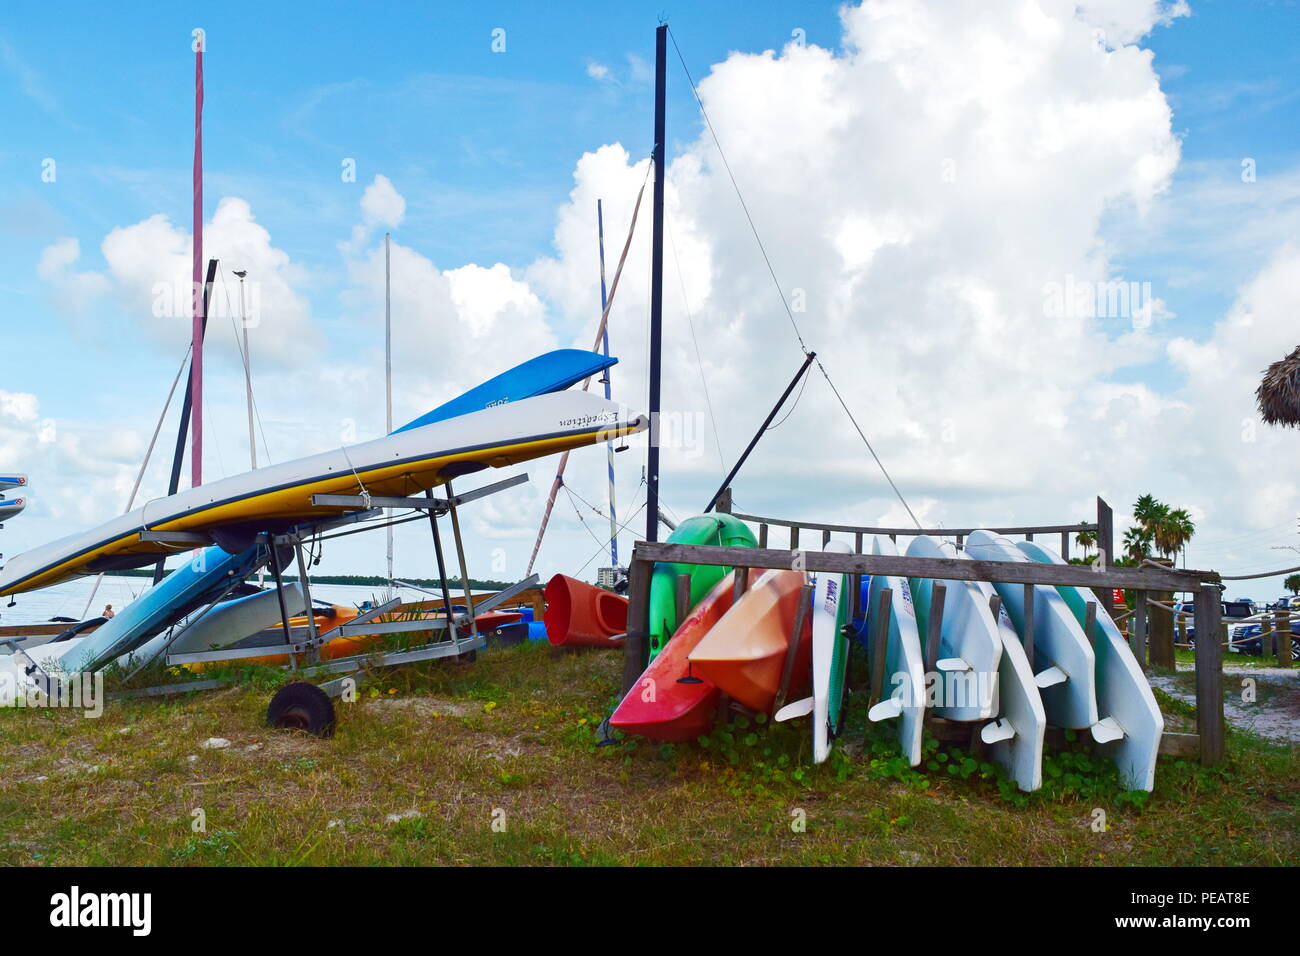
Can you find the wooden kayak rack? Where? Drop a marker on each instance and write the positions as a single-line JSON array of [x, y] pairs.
[[1100, 576]]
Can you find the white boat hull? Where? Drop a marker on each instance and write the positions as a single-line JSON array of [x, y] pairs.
[[968, 634], [1123, 691], [904, 660], [1059, 641]]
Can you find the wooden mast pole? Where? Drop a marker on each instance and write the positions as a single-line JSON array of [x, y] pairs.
[[197, 310]]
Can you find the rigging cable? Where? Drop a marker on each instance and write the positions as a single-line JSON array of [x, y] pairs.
[[776, 282], [699, 360], [257, 410], [148, 453], [600, 333]]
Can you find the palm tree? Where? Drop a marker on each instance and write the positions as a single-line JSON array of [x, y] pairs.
[[1085, 540], [1179, 529], [1147, 510], [1137, 544], [1292, 583]]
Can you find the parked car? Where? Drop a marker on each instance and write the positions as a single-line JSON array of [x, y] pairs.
[[1248, 639], [1229, 611]]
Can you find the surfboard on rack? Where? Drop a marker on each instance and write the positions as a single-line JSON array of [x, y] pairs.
[[830, 655], [1064, 662], [904, 660], [969, 644], [1016, 735], [1130, 724]]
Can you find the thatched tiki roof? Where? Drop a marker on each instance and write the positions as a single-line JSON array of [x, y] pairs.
[[1279, 392]]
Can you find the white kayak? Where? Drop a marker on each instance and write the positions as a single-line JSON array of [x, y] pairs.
[[1131, 723], [969, 644], [1064, 663], [278, 496], [830, 609], [224, 625], [904, 661], [1015, 738]]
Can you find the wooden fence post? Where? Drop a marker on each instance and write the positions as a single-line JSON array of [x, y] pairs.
[[1283, 638], [1160, 631], [855, 582], [740, 584], [879, 643], [792, 648], [934, 626], [1138, 631], [762, 535], [636, 646], [682, 598], [1209, 675], [1106, 548]]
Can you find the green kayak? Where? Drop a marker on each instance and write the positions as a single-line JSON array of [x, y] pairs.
[[711, 529]]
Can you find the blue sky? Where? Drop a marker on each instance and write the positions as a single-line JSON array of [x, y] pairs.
[[483, 146]]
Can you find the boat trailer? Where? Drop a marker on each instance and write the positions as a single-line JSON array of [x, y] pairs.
[[304, 704]]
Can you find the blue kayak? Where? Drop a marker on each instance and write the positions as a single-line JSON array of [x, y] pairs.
[[192, 585], [551, 372]]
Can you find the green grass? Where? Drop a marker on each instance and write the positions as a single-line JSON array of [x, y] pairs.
[[497, 763]]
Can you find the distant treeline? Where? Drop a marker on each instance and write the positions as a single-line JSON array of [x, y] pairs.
[[359, 580]]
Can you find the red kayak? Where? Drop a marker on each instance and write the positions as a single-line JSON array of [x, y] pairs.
[[669, 702]]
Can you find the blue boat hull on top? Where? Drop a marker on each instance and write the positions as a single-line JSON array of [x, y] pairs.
[[551, 372]]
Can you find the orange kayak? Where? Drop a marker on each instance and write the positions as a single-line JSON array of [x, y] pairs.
[[671, 701], [744, 653]]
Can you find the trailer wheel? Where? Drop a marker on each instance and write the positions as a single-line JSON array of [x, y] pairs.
[[302, 706]]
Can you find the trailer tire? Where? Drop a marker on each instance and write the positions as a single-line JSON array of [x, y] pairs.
[[302, 706]]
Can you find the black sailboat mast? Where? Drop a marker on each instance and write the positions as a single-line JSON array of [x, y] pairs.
[[656, 287]]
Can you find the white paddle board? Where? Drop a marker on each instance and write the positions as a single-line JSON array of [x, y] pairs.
[[904, 662], [1064, 663], [969, 644], [1123, 692], [831, 604], [1016, 736]]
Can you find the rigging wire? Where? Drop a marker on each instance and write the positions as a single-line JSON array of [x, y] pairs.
[[699, 359], [636, 514], [802, 386], [776, 282], [257, 411], [148, 453]]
